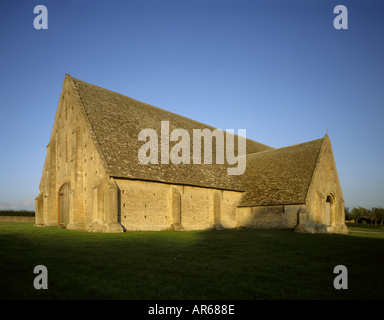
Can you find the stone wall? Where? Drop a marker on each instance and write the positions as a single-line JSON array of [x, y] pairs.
[[325, 186], [269, 217], [148, 205], [72, 157], [17, 219]]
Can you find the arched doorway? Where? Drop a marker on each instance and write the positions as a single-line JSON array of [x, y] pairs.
[[328, 210], [64, 204]]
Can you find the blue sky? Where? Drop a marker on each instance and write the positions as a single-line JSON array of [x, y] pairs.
[[278, 69]]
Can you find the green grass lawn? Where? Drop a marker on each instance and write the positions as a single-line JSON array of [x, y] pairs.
[[210, 264], [365, 229]]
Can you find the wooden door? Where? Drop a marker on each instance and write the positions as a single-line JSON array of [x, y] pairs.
[[64, 205]]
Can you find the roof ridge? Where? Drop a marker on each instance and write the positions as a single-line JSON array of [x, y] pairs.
[[276, 149]]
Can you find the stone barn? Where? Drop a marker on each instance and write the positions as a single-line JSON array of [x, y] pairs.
[[93, 179]]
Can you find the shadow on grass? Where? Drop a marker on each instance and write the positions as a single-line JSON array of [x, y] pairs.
[[227, 264]]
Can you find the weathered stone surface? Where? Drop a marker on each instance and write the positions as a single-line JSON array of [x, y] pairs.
[[217, 226], [311, 228], [176, 226]]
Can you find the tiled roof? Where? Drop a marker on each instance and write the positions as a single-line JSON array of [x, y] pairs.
[[272, 176], [280, 176], [115, 123]]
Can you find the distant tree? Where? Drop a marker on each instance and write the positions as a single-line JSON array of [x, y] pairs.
[[377, 214], [381, 215], [358, 213], [370, 216], [348, 215], [374, 215], [355, 214]]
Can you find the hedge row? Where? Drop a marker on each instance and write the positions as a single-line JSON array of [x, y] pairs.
[[17, 213], [364, 225]]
